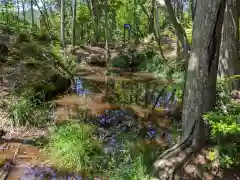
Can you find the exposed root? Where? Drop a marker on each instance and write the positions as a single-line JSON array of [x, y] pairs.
[[173, 159]]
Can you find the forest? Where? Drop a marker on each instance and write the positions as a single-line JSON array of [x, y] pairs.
[[119, 89]]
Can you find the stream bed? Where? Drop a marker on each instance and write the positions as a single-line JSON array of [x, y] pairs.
[[116, 104]]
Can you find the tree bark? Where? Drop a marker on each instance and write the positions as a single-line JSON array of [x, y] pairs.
[[32, 13], [178, 26], [62, 33], [23, 10], [106, 6], [193, 8], [229, 51], [74, 23], [94, 20], [200, 88]]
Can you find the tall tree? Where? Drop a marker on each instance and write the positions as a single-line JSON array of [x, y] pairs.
[[62, 33], [200, 88], [182, 36], [229, 53], [106, 7], [95, 23], [23, 10], [74, 23], [32, 13]]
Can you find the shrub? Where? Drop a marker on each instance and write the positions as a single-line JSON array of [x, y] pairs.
[[73, 147], [121, 62], [225, 127]]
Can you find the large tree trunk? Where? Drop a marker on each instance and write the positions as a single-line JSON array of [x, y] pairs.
[[200, 87], [229, 52], [238, 62]]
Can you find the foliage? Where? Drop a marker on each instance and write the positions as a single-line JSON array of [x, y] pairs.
[[223, 92], [24, 109], [73, 147], [132, 169], [225, 127]]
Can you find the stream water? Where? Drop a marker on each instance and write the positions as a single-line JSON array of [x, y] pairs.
[[114, 103]]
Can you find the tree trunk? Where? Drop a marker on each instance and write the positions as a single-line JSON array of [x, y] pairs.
[[106, 24], [182, 36], [32, 13], [74, 23], [153, 30], [23, 10], [42, 15], [62, 33], [229, 52], [136, 21], [94, 21], [237, 70], [193, 8], [200, 87], [46, 15], [152, 16]]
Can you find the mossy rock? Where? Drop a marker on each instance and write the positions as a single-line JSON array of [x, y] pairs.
[[52, 88], [22, 37]]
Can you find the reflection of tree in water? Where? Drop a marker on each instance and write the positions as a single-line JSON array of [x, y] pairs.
[[125, 92]]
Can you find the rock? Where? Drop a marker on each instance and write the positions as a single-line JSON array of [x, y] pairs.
[[52, 88], [235, 95], [3, 52], [2, 133], [96, 60]]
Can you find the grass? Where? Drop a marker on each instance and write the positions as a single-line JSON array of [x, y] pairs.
[[73, 147], [24, 109], [131, 169]]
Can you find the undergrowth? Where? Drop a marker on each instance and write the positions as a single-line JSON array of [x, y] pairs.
[[77, 148], [73, 147], [25, 110], [225, 127]]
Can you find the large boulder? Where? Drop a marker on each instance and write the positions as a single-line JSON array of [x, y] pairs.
[[96, 60], [38, 70]]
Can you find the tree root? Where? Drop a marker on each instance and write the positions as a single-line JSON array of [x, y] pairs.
[[173, 159]]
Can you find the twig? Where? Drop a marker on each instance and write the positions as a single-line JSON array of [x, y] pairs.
[[158, 97], [15, 154]]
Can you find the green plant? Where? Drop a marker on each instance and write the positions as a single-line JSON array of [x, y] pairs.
[[223, 92], [131, 169], [24, 109], [73, 147], [225, 126], [134, 161], [121, 61]]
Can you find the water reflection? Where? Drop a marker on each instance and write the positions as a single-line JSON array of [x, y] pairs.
[[149, 94], [78, 87], [126, 92]]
